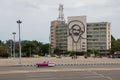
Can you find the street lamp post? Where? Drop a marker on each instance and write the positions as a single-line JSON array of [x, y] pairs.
[[11, 47], [19, 22], [14, 43], [49, 46]]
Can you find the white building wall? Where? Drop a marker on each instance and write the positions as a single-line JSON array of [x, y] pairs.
[[77, 42], [102, 36], [108, 36]]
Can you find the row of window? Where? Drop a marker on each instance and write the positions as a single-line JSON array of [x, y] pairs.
[[61, 33], [94, 47], [99, 43], [102, 24], [61, 27], [61, 30], [96, 36], [97, 29], [61, 37], [60, 40], [62, 44], [97, 32], [101, 39]]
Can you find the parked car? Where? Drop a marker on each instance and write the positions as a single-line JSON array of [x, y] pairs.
[[45, 64]]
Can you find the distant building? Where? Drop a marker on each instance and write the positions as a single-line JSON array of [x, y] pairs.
[[99, 36], [78, 35], [59, 36], [58, 33]]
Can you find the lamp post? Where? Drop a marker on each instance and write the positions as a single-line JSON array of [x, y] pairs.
[[11, 47], [19, 22], [14, 43], [49, 46]]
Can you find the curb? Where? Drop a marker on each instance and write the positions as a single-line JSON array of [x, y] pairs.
[[32, 65]]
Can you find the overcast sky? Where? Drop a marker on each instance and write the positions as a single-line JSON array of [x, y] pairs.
[[37, 14]]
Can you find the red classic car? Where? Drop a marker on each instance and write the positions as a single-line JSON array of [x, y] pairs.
[[45, 63]]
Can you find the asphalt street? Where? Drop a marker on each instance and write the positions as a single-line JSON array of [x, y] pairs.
[[83, 72], [74, 75], [7, 68]]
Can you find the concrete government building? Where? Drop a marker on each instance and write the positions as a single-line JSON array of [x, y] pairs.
[[78, 35]]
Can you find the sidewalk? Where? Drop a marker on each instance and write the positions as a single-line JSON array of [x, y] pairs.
[[64, 60]]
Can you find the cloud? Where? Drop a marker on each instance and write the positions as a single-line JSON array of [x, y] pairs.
[[37, 14]]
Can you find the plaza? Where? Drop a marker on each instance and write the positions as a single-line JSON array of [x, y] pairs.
[[60, 61]]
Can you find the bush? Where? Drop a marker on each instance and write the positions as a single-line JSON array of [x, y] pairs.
[[53, 55], [4, 55]]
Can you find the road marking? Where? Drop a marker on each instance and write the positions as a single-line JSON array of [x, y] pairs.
[[101, 75]]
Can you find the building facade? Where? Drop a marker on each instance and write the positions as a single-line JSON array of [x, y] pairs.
[[77, 34], [58, 36], [99, 36], [58, 33]]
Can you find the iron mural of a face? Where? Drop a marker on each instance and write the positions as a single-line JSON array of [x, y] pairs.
[[76, 29]]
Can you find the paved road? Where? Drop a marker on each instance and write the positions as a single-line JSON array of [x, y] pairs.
[[112, 74], [64, 60], [7, 68], [74, 75], [91, 69], [83, 72]]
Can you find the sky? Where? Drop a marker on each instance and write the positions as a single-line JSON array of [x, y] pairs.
[[36, 16]]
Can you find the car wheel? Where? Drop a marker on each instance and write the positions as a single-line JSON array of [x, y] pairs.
[[38, 66]]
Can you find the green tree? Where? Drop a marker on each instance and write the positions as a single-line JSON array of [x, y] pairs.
[[34, 47], [3, 52], [45, 48], [27, 48], [115, 45]]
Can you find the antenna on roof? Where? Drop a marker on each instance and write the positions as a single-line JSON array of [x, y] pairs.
[[61, 14]]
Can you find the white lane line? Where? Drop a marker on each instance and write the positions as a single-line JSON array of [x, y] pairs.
[[103, 76]]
